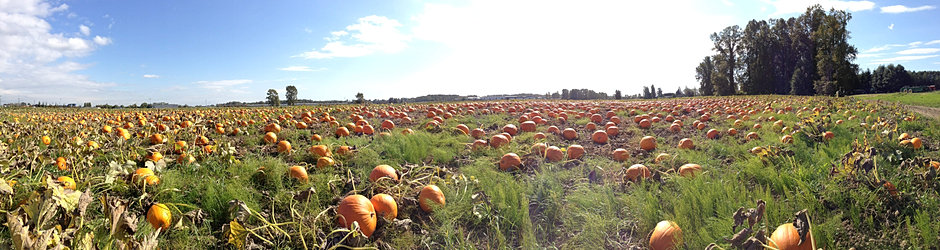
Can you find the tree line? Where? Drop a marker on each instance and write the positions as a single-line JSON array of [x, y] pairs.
[[804, 55]]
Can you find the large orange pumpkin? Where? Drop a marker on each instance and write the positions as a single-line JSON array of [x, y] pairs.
[[383, 171], [385, 206], [712, 134], [283, 147], [528, 126], [787, 238], [498, 141], [511, 129], [272, 127], [666, 236], [509, 161], [430, 194], [357, 208], [917, 143], [648, 143], [321, 151]]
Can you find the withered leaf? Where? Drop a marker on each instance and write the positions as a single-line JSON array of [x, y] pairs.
[[196, 217], [738, 239], [238, 210], [5, 189], [305, 194], [801, 222], [739, 217], [760, 209], [712, 246]]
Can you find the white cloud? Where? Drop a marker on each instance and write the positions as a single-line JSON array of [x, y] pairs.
[[918, 51], [932, 42], [301, 68], [915, 44], [102, 40], [727, 3], [84, 29], [223, 85], [151, 76], [896, 9], [370, 35], [891, 27], [37, 64], [784, 7], [903, 59]]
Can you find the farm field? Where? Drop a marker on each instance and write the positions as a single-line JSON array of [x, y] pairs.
[[504, 174], [926, 99]]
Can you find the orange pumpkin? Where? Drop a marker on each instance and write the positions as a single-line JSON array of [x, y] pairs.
[[383, 171], [509, 161], [431, 194], [917, 143], [621, 154], [666, 236], [463, 128], [569, 134], [298, 172], [46, 140], [283, 147], [498, 141], [645, 123], [828, 135], [511, 129], [554, 154], [323, 162], [575, 152], [342, 131], [686, 143], [61, 164], [316, 137], [385, 206], [159, 216], [648, 143], [320, 151], [528, 126], [359, 209], [712, 134], [689, 170], [785, 237], [67, 182], [272, 127], [599, 137], [637, 172]]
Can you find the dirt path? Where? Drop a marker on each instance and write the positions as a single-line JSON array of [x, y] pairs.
[[933, 113], [926, 111]]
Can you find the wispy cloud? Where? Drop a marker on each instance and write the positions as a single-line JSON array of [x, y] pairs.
[[222, 84], [102, 40], [919, 51], [302, 69], [151, 76], [896, 9], [84, 29], [932, 42], [903, 59], [370, 35], [891, 27], [784, 7]]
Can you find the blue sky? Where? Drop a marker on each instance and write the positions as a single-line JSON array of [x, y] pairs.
[[213, 51]]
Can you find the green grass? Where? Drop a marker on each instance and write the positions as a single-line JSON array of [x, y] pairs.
[[927, 99]]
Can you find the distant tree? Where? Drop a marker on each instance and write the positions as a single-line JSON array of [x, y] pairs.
[[291, 95], [646, 92], [87, 105], [556, 95], [659, 93], [273, 98], [360, 98], [689, 92], [704, 74], [679, 92], [727, 44], [653, 91], [565, 94], [617, 95]]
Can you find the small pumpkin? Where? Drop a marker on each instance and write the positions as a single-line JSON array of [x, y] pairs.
[[786, 237], [283, 147], [648, 143], [575, 152], [637, 172], [383, 171], [569, 134], [298, 172], [385, 206], [67, 182], [621, 154], [428, 195], [509, 161], [270, 137], [159, 216], [599, 137], [686, 143], [689, 170], [323, 162]]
